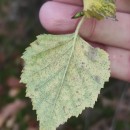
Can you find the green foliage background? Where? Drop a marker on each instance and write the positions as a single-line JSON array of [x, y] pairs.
[[19, 25]]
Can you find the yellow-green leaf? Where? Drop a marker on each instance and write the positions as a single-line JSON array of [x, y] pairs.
[[63, 76], [99, 9]]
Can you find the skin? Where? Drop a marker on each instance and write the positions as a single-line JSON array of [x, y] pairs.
[[112, 36]]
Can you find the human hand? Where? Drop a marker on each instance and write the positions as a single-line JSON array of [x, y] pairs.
[[112, 36]]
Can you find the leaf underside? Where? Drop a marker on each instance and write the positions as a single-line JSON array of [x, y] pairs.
[[63, 79]]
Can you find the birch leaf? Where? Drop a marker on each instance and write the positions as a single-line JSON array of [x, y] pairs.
[[63, 77], [98, 9]]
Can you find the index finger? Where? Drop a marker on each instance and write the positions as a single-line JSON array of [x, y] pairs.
[[122, 5]]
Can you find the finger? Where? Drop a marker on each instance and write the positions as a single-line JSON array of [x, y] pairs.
[[119, 62], [109, 32], [56, 18], [122, 5], [53, 15]]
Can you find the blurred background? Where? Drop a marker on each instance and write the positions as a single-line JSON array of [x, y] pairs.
[[19, 26]]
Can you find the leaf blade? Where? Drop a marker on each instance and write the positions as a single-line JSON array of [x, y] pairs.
[[69, 80]]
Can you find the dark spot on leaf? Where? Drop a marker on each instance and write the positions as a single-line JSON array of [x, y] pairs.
[[77, 91], [97, 79], [37, 43], [82, 46], [92, 54]]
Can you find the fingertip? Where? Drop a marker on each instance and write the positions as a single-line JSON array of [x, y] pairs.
[[56, 21], [44, 16]]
